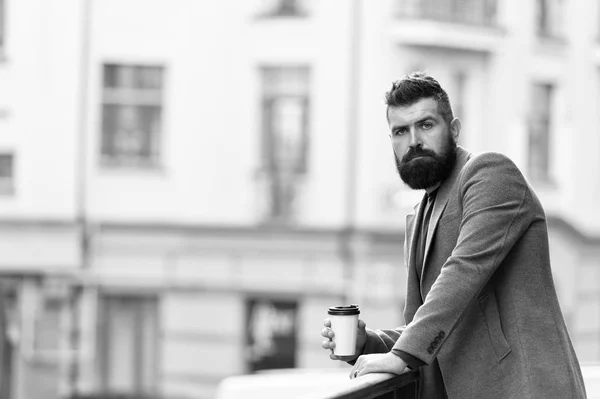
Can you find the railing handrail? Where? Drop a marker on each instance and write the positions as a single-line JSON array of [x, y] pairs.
[[367, 387]]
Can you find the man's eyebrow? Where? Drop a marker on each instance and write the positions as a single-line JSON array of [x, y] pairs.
[[425, 118], [398, 127]]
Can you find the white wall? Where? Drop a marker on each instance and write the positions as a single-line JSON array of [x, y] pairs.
[[39, 91], [212, 109]]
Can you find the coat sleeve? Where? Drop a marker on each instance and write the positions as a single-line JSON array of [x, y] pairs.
[[496, 211], [381, 341]]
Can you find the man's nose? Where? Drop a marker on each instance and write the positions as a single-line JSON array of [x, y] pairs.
[[415, 139]]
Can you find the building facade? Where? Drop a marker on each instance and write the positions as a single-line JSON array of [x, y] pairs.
[[185, 187]]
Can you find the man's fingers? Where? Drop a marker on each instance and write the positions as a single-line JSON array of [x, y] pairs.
[[361, 324], [327, 332], [326, 344], [327, 323], [356, 369], [355, 372]]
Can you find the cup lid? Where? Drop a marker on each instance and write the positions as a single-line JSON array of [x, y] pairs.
[[347, 310]]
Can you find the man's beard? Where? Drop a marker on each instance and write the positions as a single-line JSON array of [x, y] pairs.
[[428, 170]]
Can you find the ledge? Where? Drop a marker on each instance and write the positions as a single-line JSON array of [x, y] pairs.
[[431, 33]]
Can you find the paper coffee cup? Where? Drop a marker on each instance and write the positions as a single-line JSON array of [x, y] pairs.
[[344, 323]]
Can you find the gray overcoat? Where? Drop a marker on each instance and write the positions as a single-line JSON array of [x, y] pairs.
[[485, 307]]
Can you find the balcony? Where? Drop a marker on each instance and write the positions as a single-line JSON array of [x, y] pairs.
[[468, 12], [458, 24]]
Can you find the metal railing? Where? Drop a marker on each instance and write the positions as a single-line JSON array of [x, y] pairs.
[[469, 12], [377, 385]]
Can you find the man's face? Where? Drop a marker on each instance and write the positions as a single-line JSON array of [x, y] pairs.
[[424, 144]]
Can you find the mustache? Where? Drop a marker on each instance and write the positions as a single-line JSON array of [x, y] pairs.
[[415, 152]]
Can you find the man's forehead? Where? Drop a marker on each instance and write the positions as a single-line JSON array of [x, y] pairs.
[[413, 112]]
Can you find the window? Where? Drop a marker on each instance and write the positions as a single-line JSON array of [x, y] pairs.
[[285, 8], [285, 134], [129, 345], [6, 174], [549, 18], [131, 115], [271, 333], [540, 126]]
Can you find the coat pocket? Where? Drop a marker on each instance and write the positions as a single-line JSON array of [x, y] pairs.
[[489, 306]]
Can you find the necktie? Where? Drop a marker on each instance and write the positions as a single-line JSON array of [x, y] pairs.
[[423, 232]]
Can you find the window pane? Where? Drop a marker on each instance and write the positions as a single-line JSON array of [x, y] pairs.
[[6, 174], [126, 76], [149, 78], [129, 131], [109, 128], [285, 81], [110, 75], [539, 131], [6, 166], [287, 122]]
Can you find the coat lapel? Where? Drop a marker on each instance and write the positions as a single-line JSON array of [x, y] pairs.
[[441, 200]]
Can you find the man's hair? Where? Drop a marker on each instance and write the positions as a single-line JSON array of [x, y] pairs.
[[416, 86]]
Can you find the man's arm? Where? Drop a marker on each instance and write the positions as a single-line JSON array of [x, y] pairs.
[[381, 341]]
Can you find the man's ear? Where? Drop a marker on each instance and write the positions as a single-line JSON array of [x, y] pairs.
[[455, 129]]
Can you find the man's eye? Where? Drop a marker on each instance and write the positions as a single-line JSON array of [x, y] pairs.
[[426, 125], [400, 132]]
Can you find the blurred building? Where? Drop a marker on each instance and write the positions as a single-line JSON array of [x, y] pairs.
[[186, 186]]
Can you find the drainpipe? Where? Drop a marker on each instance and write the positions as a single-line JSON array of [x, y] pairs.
[[81, 195], [349, 230]]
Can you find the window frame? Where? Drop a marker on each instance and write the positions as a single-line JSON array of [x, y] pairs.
[[131, 103], [283, 179]]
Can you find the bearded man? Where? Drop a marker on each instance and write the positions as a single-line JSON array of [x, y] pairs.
[[482, 314]]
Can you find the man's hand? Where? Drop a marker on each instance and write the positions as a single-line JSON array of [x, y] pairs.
[[361, 339], [378, 363]]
